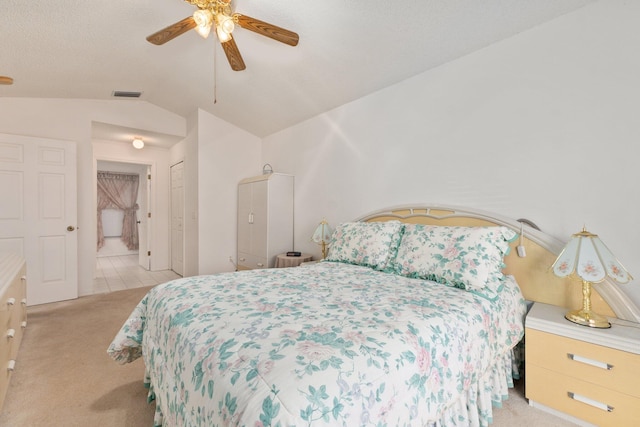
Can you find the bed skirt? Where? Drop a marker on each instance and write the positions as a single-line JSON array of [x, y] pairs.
[[474, 408]]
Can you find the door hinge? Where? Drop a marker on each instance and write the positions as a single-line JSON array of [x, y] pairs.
[[148, 253], [149, 177], [149, 215]]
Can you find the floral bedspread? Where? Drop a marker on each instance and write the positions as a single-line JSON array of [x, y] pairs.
[[327, 344]]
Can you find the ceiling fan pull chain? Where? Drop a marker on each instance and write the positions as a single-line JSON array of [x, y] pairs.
[[215, 73]]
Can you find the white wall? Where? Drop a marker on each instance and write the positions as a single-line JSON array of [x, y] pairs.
[[187, 152], [226, 154], [543, 126], [70, 119]]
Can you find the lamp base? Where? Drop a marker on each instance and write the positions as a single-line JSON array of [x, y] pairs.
[[587, 318]]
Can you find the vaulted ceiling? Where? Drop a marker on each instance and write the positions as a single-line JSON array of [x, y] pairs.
[[347, 49]]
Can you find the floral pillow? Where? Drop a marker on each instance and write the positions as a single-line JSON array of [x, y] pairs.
[[469, 258], [370, 244]]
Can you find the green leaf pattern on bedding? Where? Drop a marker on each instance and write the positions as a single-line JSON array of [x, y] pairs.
[[328, 344]]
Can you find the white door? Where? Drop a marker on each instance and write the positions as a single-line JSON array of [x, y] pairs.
[[177, 218], [144, 193], [38, 213]]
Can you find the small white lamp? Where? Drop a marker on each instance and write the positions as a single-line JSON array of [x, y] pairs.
[[322, 236], [589, 258]]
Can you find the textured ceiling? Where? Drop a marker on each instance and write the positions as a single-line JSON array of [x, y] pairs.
[[347, 49]]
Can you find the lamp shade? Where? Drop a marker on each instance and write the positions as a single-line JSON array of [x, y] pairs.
[[204, 21], [322, 236], [589, 258], [322, 233]]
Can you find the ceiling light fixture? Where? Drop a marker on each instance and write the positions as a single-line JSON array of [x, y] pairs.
[[224, 27], [204, 20], [214, 13], [137, 143]]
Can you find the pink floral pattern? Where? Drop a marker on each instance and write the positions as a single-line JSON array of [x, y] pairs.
[[328, 344], [469, 258], [370, 244]]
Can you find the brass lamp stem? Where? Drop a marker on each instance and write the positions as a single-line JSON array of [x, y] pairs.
[[585, 316], [324, 249], [586, 296]]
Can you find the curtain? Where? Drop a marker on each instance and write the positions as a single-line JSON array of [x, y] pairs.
[[119, 191]]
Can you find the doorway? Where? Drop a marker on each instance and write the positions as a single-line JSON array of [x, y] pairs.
[[111, 241]]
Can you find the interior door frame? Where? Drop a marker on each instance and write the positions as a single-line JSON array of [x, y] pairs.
[[182, 207], [151, 201]]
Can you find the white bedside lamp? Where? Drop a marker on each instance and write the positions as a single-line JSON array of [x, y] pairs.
[[589, 258], [322, 236]]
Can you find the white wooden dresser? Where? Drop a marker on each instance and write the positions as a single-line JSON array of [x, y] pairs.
[[13, 314], [592, 375]]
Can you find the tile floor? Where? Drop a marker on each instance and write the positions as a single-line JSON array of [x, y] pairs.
[[116, 273]]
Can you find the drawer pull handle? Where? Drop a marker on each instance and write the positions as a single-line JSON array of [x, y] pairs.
[[591, 362], [23, 324], [260, 264], [11, 301], [591, 402], [24, 301], [11, 365], [11, 333]]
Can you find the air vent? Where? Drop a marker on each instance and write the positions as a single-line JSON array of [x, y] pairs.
[[126, 94]]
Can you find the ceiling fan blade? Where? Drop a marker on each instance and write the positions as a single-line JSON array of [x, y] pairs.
[[172, 31], [266, 29], [233, 55]]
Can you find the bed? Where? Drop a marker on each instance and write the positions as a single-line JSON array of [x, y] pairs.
[[413, 319]]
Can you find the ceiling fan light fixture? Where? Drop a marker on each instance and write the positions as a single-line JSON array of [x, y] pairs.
[[137, 143], [225, 22], [222, 35], [204, 21], [224, 26]]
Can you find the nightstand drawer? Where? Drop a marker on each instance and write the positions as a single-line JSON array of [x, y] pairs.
[[581, 399], [613, 369]]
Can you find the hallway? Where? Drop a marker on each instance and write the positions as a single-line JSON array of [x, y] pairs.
[[116, 273]]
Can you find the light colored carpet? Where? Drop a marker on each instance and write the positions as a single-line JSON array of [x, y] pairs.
[[64, 377]]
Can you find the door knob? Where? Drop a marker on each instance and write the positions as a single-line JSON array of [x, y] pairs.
[[70, 228]]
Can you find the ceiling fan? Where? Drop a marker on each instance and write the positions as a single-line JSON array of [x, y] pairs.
[[217, 15]]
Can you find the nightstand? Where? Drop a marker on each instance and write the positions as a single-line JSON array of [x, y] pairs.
[[586, 373], [283, 261]]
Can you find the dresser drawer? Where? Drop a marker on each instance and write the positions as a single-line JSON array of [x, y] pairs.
[[251, 261], [581, 399], [612, 369]]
